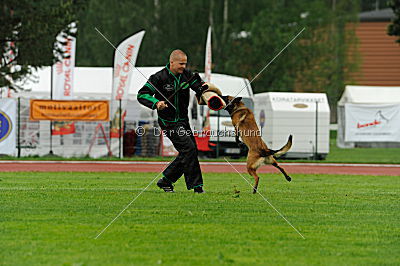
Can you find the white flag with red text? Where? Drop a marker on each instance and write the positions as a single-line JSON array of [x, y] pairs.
[[207, 65], [63, 71], [63, 79], [124, 61]]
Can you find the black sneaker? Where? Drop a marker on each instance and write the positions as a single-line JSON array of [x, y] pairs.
[[165, 185], [199, 190]]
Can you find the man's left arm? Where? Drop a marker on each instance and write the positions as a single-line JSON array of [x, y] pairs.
[[196, 83]]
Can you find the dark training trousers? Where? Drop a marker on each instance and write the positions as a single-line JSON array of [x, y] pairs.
[[186, 163]]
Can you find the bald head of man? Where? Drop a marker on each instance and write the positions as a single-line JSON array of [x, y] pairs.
[[177, 61]]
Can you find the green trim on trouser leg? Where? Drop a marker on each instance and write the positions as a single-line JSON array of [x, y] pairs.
[[198, 186], [166, 179]]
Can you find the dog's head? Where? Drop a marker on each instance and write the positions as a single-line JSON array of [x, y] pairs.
[[232, 103]]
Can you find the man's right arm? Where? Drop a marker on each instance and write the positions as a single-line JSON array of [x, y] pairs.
[[146, 93]]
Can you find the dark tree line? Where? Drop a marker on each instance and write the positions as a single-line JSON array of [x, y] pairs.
[[28, 31], [394, 27], [246, 36]]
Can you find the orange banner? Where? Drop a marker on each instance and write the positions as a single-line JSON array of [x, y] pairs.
[[69, 110]]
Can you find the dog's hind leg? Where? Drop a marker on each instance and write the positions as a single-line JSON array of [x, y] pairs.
[[253, 163], [275, 164], [253, 173]]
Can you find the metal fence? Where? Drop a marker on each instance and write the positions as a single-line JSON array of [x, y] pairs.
[[89, 139]]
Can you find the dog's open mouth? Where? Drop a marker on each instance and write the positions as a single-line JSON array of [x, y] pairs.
[[216, 103]]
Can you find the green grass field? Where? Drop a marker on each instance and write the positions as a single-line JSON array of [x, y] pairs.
[[53, 218]]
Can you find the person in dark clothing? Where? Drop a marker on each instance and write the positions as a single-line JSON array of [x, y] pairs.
[[168, 92]]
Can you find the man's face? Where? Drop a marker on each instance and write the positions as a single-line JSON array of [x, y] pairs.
[[178, 65]]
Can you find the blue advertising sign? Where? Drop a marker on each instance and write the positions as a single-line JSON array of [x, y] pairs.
[[5, 126]]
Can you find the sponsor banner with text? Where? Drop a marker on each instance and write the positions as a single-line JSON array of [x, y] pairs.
[[372, 123], [63, 80], [69, 110], [124, 61], [63, 71]]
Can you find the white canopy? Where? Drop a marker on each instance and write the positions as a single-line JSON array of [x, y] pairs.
[[370, 95], [89, 80], [97, 81], [360, 113]]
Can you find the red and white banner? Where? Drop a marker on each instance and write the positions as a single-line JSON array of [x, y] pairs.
[[124, 62], [207, 65], [63, 71], [63, 80], [372, 123]]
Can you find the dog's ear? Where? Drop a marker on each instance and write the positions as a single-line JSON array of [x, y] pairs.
[[237, 100], [226, 99]]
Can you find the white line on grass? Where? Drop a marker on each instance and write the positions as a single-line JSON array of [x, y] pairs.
[[127, 206], [265, 199]]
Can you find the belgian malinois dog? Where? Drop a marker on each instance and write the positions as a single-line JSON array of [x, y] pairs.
[[246, 128]]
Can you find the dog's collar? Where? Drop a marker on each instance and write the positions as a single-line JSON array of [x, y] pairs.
[[240, 108]]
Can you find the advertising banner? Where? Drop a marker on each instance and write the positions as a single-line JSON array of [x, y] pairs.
[[8, 126], [63, 80], [124, 61], [69, 110], [63, 71], [372, 123]]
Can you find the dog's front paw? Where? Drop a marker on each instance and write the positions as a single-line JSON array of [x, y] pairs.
[[288, 178]]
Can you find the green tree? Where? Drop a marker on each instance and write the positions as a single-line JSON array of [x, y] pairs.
[[317, 61], [28, 31], [168, 25], [394, 27]]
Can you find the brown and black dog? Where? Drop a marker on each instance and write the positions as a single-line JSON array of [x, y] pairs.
[[246, 127]]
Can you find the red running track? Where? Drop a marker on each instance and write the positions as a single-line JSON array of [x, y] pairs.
[[207, 167]]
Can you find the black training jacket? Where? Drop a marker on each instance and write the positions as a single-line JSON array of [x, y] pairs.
[[167, 84]]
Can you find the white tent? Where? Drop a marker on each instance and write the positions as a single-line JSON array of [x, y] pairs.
[[88, 81], [369, 116], [304, 115]]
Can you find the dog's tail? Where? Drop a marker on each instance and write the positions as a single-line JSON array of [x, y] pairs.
[[281, 151]]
